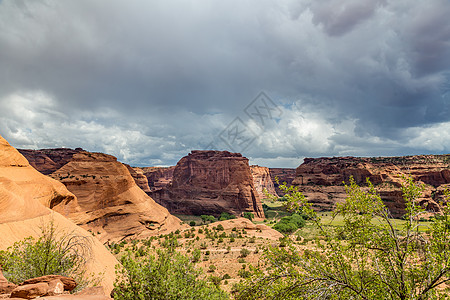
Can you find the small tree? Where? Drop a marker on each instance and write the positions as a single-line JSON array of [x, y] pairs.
[[248, 215], [169, 275], [53, 253], [369, 257]]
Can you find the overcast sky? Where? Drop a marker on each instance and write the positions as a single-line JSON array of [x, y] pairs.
[[149, 81]]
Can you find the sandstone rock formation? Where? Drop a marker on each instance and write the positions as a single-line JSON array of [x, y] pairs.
[[284, 175], [68, 284], [5, 286], [48, 161], [262, 180], [158, 177], [211, 182], [49, 287], [30, 291], [110, 204], [139, 178], [321, 179], [26, 197]]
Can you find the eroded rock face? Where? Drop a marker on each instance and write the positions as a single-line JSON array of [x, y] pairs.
[[211, 182], [321, 179], [158, 177], [110, 204], [139, 178], [284, 175], [25, 200], [262, 180], [48, 161]]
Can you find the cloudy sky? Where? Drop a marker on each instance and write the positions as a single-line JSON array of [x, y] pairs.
[[149, 81]]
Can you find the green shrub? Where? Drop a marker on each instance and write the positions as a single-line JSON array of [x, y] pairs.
[[169, 275], [212, 268], [248, 215], [192, 223], [207, 218], [244, 252], [289, 224], [215, 280], [226, 216], [53, 253], [196, 254], [244, 273]]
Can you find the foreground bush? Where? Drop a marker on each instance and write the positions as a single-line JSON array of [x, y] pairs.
[[53, 253], [369, 257], [169, 275]]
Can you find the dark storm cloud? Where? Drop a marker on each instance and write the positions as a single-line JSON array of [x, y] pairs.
[[339, 17], [149, 81]]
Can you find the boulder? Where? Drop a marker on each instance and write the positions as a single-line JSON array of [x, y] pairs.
[[6, 287], [68, 283], [55, 287], [30, 291]]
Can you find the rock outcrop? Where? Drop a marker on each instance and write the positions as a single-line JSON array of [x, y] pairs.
[[26, 197], [262, 181], [211, 182], [139, 178], [284, 175], [48, 161], [110, 204], [321, 179], [5, 286], [158, 177]]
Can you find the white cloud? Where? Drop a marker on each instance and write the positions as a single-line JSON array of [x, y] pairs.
[[150, 81]]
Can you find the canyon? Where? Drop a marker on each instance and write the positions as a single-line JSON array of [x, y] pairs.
[[322, 179], [109, 202], [211, 182], [29, 200]]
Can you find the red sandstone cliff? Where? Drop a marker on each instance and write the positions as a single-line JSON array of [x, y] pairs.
[[262, 180], [321, 179], [158, 177], [26, 197], [110, 204], [139, 178], [284, 175], [48, 161], [211, 182]]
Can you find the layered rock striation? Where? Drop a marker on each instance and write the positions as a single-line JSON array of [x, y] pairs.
[[26, 197], [158, 177], [211, 182], [262, 181], [110, 204], [139, 178], [284, 175], [322, 179]]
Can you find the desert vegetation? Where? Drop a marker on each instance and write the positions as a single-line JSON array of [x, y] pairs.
[[368, 257], [54, 252], [357, 251]]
